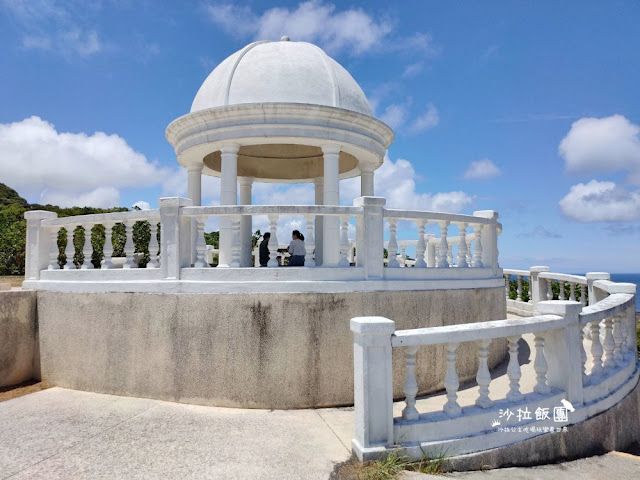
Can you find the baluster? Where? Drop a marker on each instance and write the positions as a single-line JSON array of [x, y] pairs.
[[309, 242], [410, 384], [469, 256], [477, 247], [530, 300], [344, 242], [624, 328], [507, 285], [437, 251], [450, 254], [451, 382], [630, 324], [235, 242], [513, 371], [153, 245], [583, 358], [54, 250], [617, 339], [201, 244], [549, 289], [129, 247], [108, 245], [583, 295], [87, 249], [273, 241], [444, 246], [483, 377], [420, 246], [70, 250], [596, 349], [561, 294], [519, 289], [608, 344], [540, 366], [392, 247], [572, 292], [403, 255], [462, 246]]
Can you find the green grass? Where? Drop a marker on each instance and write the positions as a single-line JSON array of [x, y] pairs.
[[391, 466]]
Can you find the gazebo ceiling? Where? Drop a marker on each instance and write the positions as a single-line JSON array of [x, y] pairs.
[[287, 162]]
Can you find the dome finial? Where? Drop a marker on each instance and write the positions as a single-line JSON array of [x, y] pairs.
[[284, 38]]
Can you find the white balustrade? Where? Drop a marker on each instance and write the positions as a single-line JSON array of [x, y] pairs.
[[70, 250], [549, 289], [483, 377], [420, 246], [309, 241], [392, 248], [462, 245], [451, 382], [519, 288], [444, 246], [344, 241], [540, 365], [477, 247], [201, 244], [596, 349], [153, 245], [410, 387], [273, 241], [608, 344], [513, 370], [87, 249], [129, 247], [108, 245]]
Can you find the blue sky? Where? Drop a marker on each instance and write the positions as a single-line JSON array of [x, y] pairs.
[[528, 108]]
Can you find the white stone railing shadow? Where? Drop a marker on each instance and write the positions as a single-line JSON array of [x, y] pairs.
[[562, 372]]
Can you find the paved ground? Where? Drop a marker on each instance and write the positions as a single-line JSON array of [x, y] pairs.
[[65, 434]]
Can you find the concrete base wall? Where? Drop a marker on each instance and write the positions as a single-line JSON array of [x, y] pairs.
[[249, 351], [19, 359], [615, 429]]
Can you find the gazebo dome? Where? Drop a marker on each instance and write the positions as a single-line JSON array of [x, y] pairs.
[[281, 72]]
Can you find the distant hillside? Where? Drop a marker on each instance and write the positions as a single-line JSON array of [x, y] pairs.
[[13, 227]]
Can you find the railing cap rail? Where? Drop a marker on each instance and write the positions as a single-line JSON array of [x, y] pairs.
[[230, 210], [372, 326], [614, 287], [563, 277], [114, 217], [511, 271], [435, 216], [611, 305], [469, 332]]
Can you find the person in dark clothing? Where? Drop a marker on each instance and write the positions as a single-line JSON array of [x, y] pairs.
[[264, 249]]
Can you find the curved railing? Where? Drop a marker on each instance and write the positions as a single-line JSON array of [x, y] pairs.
[[173, 248], [573, 378]]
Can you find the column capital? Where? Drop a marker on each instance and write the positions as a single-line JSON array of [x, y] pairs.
[[245, 181], [196, 166], [229, 148], [332, 149], [366, 168]]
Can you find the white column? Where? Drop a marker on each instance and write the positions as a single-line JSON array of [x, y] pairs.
[[331, 196], [228, 196], [246, 223], [194, 192], [366, 180], [319, 191]]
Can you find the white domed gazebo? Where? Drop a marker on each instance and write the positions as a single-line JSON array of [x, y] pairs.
[[282, 112]]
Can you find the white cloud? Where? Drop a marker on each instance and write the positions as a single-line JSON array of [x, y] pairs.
[[412, 69], [601, 202], [603, 145], [101, 197], [353, 30], [482, 170], [41, 162], [539, 232], [142, 205], [395, 115], [56, 27], [429, 119]]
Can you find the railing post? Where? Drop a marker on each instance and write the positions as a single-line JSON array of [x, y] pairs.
[[369, 236], [373, 385], [37, 248], [175, 241], [563, 349], [595, 295], [489, 240], [537, 288]]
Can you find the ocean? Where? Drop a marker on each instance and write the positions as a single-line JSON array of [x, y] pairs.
[[628, 278]]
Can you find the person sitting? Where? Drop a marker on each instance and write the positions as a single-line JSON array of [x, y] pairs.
[[297, 249], [264, 250]]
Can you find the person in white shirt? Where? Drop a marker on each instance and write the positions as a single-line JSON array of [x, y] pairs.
[[297, 249]]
